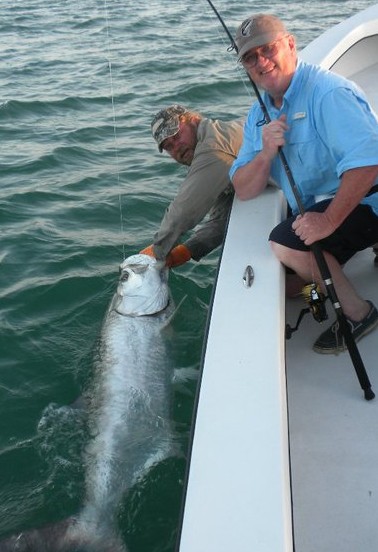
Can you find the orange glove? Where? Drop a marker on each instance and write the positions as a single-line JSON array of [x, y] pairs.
[[148, 251], [178, 256]]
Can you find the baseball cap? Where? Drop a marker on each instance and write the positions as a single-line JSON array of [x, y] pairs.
[[166, 123], [257, 30]]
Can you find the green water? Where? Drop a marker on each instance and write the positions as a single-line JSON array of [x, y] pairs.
[[82, 187]]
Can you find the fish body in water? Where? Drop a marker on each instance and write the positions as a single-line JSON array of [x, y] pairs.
[[129, 405], [131, 393]]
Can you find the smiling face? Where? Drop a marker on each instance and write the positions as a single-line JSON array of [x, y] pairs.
[[181, 145], [272, 66]]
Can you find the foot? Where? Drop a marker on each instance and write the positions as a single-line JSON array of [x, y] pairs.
[[332, 340]]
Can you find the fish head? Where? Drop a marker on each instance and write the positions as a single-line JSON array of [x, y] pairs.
[[143, 286]]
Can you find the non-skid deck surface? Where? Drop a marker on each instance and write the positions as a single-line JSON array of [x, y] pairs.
[[333, 434]]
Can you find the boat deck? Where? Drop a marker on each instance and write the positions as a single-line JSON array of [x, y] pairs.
[[330, 424]]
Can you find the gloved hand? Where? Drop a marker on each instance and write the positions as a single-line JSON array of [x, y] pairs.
[[148, 251], [178, 256]]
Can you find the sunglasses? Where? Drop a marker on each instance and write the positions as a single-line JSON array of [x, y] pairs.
[[267, 51]]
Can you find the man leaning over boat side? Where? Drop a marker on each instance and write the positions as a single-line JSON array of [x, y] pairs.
[[208, 147], [330, 138]]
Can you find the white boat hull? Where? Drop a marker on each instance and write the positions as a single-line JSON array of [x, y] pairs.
[[239, 458]]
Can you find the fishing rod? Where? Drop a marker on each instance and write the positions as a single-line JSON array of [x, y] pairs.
[[315, 247]]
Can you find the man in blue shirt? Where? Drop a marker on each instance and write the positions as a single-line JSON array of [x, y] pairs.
[[330, 135]]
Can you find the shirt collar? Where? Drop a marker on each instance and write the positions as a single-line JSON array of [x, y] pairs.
[[292, 91]]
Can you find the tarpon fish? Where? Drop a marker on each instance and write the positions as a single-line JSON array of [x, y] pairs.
[[129, 411]]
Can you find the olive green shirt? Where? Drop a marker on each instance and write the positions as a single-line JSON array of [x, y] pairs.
[[206, 190]]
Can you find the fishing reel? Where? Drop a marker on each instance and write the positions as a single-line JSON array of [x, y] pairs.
[[315, 300]]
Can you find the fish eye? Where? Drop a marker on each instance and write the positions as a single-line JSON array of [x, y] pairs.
[[125, 276]]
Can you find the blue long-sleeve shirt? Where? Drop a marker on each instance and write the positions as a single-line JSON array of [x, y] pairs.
[[332, 129]]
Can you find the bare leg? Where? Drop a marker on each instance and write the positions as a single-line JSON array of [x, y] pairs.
[[303, 263], [294, 285], [375, 251]]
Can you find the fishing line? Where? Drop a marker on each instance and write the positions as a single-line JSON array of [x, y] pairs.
[[315, 247], [240, 72], [115, 138]]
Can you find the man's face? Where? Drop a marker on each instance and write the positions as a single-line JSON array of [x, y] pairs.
[[272, 65], [181, 146]]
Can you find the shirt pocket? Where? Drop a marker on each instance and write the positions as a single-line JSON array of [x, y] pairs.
[[307, 148]]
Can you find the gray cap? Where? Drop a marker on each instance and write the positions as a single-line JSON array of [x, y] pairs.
[[166, 123], [257, 30]]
